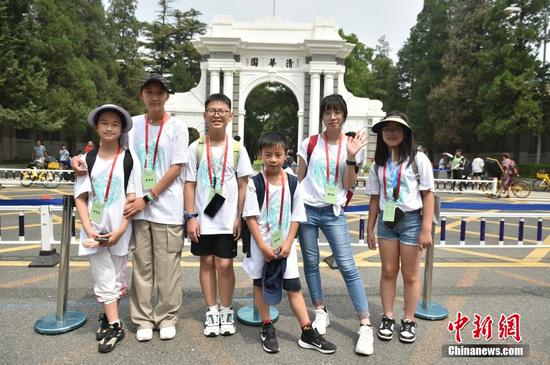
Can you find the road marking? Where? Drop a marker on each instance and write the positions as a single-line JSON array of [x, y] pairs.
[[480, 254], [534, 282], [537, 254], [21, 248]]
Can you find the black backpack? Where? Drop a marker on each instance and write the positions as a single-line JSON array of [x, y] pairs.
[[128, 165], [259, 183]]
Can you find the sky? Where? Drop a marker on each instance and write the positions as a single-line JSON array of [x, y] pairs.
[[368, 19]]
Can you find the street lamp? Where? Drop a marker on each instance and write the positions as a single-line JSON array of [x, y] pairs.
[[515, 10]]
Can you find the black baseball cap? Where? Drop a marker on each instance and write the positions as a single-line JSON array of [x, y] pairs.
[[272, 280], [154, 77]]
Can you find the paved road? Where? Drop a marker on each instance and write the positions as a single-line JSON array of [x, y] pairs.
[[488, 282]]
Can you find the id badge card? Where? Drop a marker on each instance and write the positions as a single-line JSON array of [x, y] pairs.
[[149, 179], [97, 212], [331, 192], [276, 238], [389, 211]]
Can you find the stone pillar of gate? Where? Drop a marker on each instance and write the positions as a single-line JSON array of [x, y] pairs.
[[228, 91], [329, 85], [214, 82], [314, 91]]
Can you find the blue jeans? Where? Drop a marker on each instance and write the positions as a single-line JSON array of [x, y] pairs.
[[335, 230]]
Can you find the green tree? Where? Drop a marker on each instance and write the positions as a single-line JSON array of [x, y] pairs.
[[358, 77], [23, 82], [385, 78], [512, 97], [270, 107], [420, 64], [168, 40], [453, 101], [123, 31]]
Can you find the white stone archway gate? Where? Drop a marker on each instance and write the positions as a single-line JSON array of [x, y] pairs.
[[306, 58]]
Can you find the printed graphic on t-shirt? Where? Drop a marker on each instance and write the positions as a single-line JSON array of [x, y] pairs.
[[319, 172], [274, 210], [203, 178], [100, 185], [140, 151]]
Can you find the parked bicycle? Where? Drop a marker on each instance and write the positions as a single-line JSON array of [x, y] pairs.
[[36, 174], [543, 181]]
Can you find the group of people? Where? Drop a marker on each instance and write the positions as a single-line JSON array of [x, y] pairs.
[[40, 154], [135, 190], [459, 168]]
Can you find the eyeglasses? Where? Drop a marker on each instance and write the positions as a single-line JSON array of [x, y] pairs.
[[392, 130], [212, 112], [330, 113]]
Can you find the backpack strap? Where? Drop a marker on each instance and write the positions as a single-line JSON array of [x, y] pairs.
[[293, 184], [200, 150], [236, 148], [311, 146], [90, 161], [128, 165]]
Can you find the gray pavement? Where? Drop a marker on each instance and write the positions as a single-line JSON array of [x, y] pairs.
[[488, 282]]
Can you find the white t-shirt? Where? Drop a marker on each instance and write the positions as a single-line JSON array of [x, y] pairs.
[[222, 222], [316, 178], [253, 265], [113, 210], [172, 150], [477, 165], [409, 191]]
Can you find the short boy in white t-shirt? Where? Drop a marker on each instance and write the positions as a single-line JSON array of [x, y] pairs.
[[215, 187], [273, 226], [100, 198]]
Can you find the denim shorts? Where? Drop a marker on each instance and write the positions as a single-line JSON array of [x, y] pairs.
[[406, 231]]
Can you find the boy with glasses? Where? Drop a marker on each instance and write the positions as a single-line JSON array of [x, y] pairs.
[[215, 188]]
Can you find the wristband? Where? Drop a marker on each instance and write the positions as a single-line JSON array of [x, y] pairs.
[[148, 199], [351, 163], [153, 195], [188, 216]]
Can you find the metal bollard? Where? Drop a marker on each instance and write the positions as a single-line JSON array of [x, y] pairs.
[[426, 309], [21, 225], [539, 232], [62, 321]]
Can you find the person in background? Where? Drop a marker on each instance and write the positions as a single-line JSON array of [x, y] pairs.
[[457, 167], [88, 146], [64, 157], [39, 153], [477, 168]]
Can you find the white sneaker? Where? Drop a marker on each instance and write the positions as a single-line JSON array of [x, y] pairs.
[[227, 322], [365, 341], [321, 321], [168, 333], [212, 323], [144, 334]]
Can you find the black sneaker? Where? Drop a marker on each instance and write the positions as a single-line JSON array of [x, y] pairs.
[[269, 339], [103, 327], [311, 339], [385, 331], [114, 336], [407, 333]]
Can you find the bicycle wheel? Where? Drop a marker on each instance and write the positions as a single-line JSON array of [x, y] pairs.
[[51, 180], [540, 185], [520, 189], [25, 179]]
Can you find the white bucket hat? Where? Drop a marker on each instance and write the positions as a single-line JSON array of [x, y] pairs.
[[390, 118], [127, 119]]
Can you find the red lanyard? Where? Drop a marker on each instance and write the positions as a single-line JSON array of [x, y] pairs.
[[337, 158], [209, 160], [395, 191], [147, 140], [110, 177], [267, 199]]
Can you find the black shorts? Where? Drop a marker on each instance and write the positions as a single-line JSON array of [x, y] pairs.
[[219, 245], [292, 285]]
